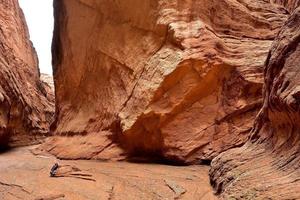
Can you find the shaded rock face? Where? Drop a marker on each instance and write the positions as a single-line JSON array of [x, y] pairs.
[[290, 5], [25, 109], [268, 166], [177, 79]]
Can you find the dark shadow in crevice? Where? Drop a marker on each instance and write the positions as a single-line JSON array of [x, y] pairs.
[[4, 148]]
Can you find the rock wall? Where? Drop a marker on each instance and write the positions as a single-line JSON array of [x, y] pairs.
[[26, 109], [48, 81], [290, 5], [180, 80], [268, 166]]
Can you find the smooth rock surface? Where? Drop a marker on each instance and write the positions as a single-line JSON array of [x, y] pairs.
[[26, 107], [180, 80], [25, 176], [268, 166]]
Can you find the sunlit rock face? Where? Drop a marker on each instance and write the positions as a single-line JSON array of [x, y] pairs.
[[25, 109], [268, 166], [48, 81], [180, 80]]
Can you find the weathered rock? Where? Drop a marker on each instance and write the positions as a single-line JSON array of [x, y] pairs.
[[48, 80], [82, 180], [167, 78], [268, 166], [25, 109], [290, 5]]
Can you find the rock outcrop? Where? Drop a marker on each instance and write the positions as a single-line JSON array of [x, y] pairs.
[[268, 166], [290, 5], [48, 81], [25, 109], [180, 80]]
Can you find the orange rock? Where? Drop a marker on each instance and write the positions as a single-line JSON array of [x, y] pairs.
[[179, 80], [268, 166], [25, 109]]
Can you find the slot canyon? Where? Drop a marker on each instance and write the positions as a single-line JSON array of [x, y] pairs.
[[153, 99]]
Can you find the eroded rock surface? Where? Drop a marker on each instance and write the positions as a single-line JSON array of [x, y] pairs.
[[25, 109], [85, 180], [48, 81], [268, 166], [290, 5], [177, 79]]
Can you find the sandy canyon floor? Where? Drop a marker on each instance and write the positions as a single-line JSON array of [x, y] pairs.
[[24, 175]]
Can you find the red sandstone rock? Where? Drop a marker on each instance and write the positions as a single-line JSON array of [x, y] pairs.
[[25, 176], [176, 79], [25, 107], [290, 5], [268, 166]]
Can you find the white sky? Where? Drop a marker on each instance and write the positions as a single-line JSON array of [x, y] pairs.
[[39, 18]]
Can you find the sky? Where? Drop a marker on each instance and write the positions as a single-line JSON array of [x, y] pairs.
[[39, 18]]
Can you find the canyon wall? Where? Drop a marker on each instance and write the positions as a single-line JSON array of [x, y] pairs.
[[26, 108], [268, 166], [180, 80], [289, 5]]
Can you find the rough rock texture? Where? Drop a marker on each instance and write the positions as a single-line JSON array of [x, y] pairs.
[[268, 166], [290, 5], [25, 109], [180, 80], [48, 80]]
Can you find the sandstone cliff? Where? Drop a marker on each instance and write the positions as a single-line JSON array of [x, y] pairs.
[[25, 107], [268, 166], [180, 80]]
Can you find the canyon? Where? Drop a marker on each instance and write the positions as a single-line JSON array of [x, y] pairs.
[[210, 85], [26, 103]]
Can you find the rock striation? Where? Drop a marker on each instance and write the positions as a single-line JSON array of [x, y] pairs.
[[26, 109], [289, 5], [180, 80], [268, 166]]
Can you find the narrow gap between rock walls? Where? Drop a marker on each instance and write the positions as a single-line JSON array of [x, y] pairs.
[[40, 22]]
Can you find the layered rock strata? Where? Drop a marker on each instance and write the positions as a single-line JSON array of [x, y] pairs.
[[290, 5], [268, 166], [26, 108]]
